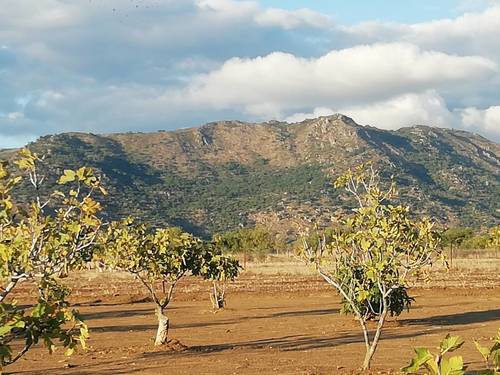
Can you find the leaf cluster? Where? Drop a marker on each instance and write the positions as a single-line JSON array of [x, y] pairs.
[[373, 251], [438, 364], [491, 356], [160, 258], [215, 266], [49, 320]]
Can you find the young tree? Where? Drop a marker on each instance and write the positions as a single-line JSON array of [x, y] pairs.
[[158, 259], [41, 241], [219, 269], [455, 236], [494, 242], [369, 259], [257, 242]]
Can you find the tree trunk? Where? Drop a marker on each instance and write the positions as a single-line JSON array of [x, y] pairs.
[[368, 357], [217, 296], [370, 352], [163, 324]]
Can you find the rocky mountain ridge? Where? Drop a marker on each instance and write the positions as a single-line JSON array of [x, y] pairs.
[[226, 174]]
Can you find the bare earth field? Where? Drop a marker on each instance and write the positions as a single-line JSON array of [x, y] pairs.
[[274, 324]]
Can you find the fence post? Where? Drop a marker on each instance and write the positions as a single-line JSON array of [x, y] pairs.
[[451, 255]]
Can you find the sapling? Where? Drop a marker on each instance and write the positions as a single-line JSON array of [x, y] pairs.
[[218, 269], [372, 252], [159, 259]]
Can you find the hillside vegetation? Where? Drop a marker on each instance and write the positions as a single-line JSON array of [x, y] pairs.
[[228, 174]]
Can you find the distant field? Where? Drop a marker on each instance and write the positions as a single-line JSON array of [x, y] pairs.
[[463, 260]]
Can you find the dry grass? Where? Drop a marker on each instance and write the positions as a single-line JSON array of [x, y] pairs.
[[285, 265]]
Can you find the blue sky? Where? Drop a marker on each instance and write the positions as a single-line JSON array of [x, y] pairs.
[[143, 65], [407, 11]]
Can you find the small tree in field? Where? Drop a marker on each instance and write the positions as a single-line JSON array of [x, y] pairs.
[[158, 259], [41, 241], [219, 269], [494, 242], [372, 254]]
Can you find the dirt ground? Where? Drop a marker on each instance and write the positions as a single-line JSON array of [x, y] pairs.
[[273, 324]]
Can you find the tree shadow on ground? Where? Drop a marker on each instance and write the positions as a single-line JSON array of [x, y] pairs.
[[118, 314], [214, 323], [289, 343], [469, 317]]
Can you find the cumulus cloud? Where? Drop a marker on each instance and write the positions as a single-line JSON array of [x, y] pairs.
[[486, 120], [470, 33], [280, 82], [427, 108]]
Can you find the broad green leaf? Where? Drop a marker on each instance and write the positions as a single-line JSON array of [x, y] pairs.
[[422, 356], [68, 176], [452, 366], [450, 344]]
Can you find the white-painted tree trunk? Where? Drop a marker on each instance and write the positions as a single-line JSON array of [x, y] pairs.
[[163, 324]]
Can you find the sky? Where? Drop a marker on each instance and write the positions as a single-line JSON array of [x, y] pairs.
[[107, 66]]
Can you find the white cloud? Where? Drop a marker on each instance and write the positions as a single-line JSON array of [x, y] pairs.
[[291, 19], [281, 82], [229, 8], [48, 99], [427, 108], [317, 112], [470, 33], [14, 116], [485, 120], [38, 15]]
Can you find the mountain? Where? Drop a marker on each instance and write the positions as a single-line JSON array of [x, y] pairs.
[[228, 174]]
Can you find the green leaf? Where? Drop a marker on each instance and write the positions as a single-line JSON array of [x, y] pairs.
[[495, 358], [68, 176], [452, 366], [485, 352], [365, 245], [5, 329], [422, 356], [450, 344]]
